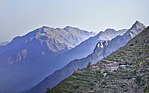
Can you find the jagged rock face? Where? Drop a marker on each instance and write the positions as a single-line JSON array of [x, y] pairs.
[[100, 45], [62, 39], [58, 39], [124, 71]]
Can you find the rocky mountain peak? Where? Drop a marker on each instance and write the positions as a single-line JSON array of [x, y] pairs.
[[138, 25], [45, 27], [110, 30], [67, 28], [136, 28]]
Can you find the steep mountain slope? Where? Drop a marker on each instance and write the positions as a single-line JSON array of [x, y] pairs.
[[87, 47], [103, 48], [26, 60], [124, 71], [82, 50]]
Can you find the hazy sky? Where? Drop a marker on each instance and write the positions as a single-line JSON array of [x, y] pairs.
[[18, 17]]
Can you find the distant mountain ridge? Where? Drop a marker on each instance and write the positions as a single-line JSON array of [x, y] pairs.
[[103, 48], [52, 39], [109, 34], [125, 70], [32, 56]]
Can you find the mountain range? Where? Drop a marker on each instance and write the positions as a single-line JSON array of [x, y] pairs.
[[42, 58], [101, 46], [124, 71], [28, 59]]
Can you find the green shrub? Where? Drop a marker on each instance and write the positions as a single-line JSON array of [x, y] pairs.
[[146, 90]]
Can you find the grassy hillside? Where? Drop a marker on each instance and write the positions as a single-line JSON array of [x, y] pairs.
[[124, 71]]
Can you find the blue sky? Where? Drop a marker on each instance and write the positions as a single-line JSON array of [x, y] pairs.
[[18, 17]]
